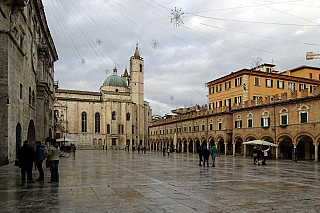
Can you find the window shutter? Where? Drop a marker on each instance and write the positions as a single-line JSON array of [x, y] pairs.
[[271, 82], [240, 81], [278, 84], [269, 121], [225, 102], [235, 124], [240, 99], [240, 124], [266, 82], [235, 82], [261, 121], [235, 100]]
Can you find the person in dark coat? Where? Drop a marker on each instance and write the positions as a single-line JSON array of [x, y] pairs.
[[39, 157], [26, 158], [206, 155], [200, 155], [164, 151]]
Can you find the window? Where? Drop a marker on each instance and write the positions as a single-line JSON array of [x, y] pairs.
[[220, 125], [113, 115], [108, 129], [269, 82], [238, 122], [218, 87], [120, 129], [84, 122], [310, 75], [219, 104], [237, 82], [265, 120], [302, 86], [256, 98], [196, 128], [202, 127], [140, 67], [132, 129], [178, 129], [184, 129], [167, 131], [256, 81], [228, 102], [211, 90], [97, 122], [311, 88], [237, 100], [33, 99], [21, 91], [128, 116], [250, 120], [303, 111], [280, 84], [190, 129], [269, 70], [30, 96], [170, 131], [303, 117], [291, 86], [211, 126], [284, 119], [227, 85]]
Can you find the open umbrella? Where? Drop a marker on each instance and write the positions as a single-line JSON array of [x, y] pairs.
[[64, 140], [260, 142]]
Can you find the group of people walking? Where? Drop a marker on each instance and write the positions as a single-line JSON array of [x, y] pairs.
[[27, 156], [260, 156], [204, 155]]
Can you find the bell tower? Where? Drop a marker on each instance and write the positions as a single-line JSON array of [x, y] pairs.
[[137, 93], [137, 77]]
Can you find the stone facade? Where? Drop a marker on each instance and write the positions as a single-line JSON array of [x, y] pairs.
[[27, 56], [115, 117], [290, 123]]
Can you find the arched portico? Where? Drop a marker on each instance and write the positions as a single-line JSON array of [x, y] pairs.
[[304, 145], [184, 145], [211, 142], [238, 147], [197, 144], [190, 146], [221, 146], [285, 147], [272, 151]]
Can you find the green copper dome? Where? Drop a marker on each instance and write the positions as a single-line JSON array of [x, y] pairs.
[[115, 80]]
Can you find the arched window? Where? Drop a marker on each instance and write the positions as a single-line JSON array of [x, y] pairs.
[[265, 120], [97, 122], [128, 116], [250, 120], [238, 122], [283, 116], [140, 67], [108, 129], [113, 115], [84, 121], [303, 114]]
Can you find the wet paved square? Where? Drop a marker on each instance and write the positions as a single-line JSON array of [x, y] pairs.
[[118, 181]]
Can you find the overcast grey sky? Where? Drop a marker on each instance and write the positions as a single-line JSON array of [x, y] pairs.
[[216, 38]]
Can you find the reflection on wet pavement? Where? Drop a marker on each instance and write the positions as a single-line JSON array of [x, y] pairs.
[[118, 181]]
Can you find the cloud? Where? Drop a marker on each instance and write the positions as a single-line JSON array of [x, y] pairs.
[[217, 37]]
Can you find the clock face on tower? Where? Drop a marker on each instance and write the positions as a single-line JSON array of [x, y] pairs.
[[34, 55]]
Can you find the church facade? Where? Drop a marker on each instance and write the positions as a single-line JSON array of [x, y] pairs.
[[115, 117], [27, 56]]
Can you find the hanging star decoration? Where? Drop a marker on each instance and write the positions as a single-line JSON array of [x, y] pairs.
[[99, 41], [83, 61], [177, 17], [154, 43]]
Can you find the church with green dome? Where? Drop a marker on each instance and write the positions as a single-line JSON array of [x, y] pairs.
[[116, 117]]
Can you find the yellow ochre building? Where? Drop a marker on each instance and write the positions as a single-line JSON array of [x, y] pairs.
[[261, 81]]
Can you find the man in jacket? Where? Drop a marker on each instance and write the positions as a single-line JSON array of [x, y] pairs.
[[200, 155], [265, 155], [53, 155], [26, 157], [206, 154], [213, 152], [39, 159]]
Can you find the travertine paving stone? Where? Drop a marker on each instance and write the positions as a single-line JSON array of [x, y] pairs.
[[118, 181]]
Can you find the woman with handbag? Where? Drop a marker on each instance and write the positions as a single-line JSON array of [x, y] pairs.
[[53, 154]]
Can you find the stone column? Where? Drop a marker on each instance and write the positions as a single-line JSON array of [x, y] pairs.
[[188, 147], [277, 152], [182, 147], [316, 147], [294, 148], [233, 149], [244, 150], [225, 148]]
